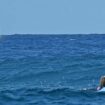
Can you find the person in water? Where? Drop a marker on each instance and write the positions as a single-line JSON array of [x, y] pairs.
[[102, 83]]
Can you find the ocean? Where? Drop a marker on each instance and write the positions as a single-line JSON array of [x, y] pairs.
[[51, 69]]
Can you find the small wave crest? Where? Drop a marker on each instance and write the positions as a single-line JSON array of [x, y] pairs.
[[58, 95], [65, 91]]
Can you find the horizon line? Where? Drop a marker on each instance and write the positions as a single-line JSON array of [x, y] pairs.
[[56, 34]]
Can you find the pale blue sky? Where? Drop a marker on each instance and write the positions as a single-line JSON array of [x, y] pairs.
[[52, 16]]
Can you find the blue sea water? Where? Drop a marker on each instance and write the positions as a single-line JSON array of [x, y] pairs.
[[51, 69]]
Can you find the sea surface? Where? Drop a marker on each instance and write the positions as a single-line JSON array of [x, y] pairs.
[[51, 69]]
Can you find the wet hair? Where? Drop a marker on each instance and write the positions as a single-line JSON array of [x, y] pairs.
[[102, 82]]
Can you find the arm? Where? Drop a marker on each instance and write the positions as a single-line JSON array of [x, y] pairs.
[[98, 88]]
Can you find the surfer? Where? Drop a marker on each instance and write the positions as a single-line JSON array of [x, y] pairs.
[[102, 83]]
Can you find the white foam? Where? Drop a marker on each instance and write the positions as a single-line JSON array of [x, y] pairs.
[[102, 90]]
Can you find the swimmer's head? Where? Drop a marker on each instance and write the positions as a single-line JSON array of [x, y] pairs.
[[102, 82]]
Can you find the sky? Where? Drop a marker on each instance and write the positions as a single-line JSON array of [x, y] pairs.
[[52, 16]]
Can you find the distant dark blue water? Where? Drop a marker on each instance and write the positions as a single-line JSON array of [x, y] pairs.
[[51, 70]]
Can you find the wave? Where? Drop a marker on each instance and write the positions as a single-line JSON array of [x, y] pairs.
[[64, 91], [60, 95]]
